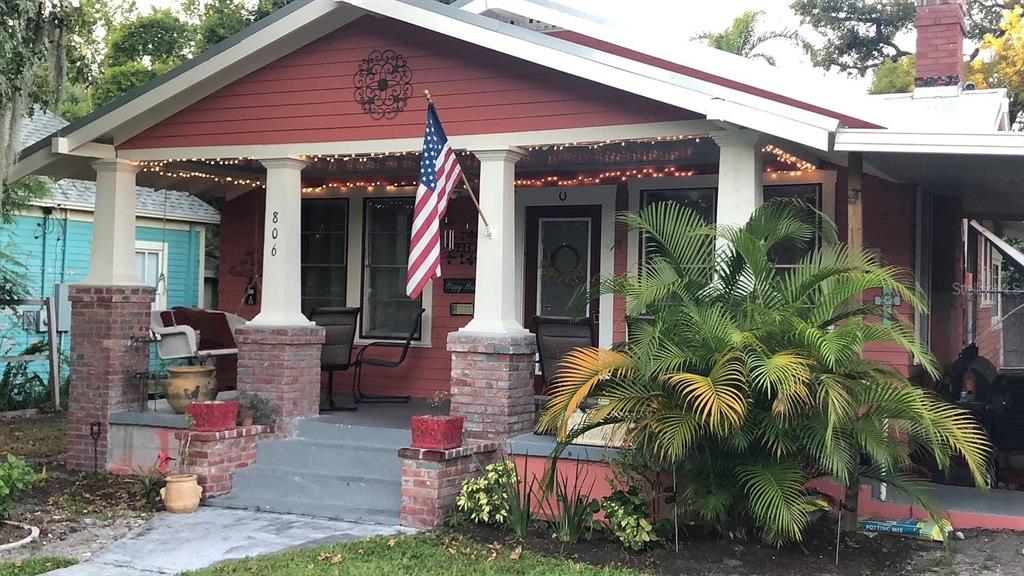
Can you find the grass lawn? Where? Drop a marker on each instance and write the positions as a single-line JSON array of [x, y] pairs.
[[419, 555], [34, 566]]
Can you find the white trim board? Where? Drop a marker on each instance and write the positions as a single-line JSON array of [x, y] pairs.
[[497, 141], [995, 144], [603, 196]]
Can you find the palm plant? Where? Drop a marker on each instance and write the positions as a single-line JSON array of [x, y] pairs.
[[743, 39], [749, 382]]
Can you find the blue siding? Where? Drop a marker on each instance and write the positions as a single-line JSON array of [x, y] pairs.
[[67, 260]]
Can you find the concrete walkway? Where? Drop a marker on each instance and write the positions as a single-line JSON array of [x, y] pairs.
[[172, 543]]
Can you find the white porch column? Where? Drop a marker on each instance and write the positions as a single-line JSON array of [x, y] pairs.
[[495, 300], [740, 181], [112, 261], [281, 292]]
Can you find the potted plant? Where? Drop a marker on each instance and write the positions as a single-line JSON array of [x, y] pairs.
[[181, 492], [436, 431], [213, 415], [254, 409]]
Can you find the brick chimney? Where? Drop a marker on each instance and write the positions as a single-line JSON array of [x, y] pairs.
[[940, 47]]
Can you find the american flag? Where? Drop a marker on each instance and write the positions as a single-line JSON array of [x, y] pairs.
[[439, 173]]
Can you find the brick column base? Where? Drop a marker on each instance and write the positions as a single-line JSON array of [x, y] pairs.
[[431, 479], [109, 344], [214, 456], [282, 365], [492, 383]]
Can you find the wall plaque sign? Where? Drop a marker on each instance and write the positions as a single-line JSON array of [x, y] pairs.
[[460, 309], [383, 84], [459, 286]]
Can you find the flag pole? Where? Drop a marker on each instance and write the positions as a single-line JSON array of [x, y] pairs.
[[465, 182]]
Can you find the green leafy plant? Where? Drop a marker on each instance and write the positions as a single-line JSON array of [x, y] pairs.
[[263, 412], [438, 402], [15, 477], [570, 509], [748, 380], [485, 499], [629, 518], [519, 494], [20, 387], [149, 481]]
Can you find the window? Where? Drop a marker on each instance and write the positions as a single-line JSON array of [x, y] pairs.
[[324, 252], [387, 311], [700, 200], [151, 268], [810, 194]]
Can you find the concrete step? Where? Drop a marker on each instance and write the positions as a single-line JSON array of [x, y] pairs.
[[331, 510], [328, 430], [341, 459], [316, 488]]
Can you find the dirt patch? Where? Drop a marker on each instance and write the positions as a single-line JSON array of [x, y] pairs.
[[10, 534], [980, 553], [77, 513]]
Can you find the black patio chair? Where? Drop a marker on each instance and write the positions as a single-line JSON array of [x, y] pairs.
[[336, 355], [555, 337], [363, 360]]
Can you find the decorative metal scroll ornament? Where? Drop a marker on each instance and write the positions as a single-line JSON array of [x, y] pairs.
[[383, 84]]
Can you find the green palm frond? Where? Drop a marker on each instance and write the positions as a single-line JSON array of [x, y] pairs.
[[776, 494]]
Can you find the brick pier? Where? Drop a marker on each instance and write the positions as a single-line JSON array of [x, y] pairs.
[[214, 456], [431, 479], [282, 365], [109, 344]]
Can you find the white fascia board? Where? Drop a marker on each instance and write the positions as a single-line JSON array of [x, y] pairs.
[[31, 164], [993, 143], [796, 84], [466, 142], [628, 75], [248, 55]]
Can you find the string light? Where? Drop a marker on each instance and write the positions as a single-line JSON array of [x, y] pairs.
[[788, 158]]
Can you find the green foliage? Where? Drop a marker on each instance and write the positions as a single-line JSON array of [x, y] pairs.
[[752, 384], [570, 508], [20, 387], [114, 82], [894, 77], [519, 496], [15, 478], [154, 38], [859, 34], [34, 566], [743, 39], [218, 20], [425, 554], [485, 499], [629, 518]]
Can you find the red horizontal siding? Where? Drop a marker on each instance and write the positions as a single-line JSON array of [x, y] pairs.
[[308, 96]]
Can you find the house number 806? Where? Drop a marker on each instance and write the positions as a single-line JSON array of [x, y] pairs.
[[273, 234]]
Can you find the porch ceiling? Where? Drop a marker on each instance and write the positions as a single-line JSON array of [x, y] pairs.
[[570, 163], [992, 186]]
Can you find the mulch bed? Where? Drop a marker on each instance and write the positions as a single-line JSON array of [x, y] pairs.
[[701, 554]]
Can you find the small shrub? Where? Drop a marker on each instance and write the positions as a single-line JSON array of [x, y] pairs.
[[628, 518], [485, 499], [263, 412], [571, 514], [148, 482], [15, 478]]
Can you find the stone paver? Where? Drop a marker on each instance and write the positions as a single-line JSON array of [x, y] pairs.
[[171, 543]]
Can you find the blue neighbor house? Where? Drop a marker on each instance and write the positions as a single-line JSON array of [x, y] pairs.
[[52, 241]]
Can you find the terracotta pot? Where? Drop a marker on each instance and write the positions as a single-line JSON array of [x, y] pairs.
[[437, 432], [213, 416], [189, 384], [182, 493], [245, 418]]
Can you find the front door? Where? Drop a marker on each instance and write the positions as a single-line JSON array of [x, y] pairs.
[[562, 260]]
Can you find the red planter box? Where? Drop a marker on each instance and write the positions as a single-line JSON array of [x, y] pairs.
[[213, 416], [437, 432]]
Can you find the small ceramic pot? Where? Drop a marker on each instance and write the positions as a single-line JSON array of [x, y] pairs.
[[437, 432], [181, 493]]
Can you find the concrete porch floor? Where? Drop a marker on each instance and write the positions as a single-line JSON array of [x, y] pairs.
[[378, 415]]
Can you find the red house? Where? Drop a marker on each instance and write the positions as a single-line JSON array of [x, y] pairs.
[[309, 125]]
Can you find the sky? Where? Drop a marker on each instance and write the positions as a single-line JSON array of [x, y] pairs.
[[685, 18]]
